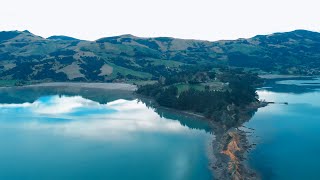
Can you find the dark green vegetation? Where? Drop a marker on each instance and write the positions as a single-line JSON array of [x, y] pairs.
[[223, 104], [25, 56]]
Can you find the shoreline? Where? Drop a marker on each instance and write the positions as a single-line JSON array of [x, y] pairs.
[[282, 76], [230, 146], [103, 86]]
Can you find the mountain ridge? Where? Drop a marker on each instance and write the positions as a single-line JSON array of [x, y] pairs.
[[26, 56], [171, 37]]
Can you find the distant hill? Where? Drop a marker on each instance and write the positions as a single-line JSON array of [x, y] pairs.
[[63, 38], [26, 56]]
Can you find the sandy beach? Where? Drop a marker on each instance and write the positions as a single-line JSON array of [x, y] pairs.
[[104, 86]]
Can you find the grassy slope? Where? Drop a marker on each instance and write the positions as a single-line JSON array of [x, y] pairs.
[[37, 58]]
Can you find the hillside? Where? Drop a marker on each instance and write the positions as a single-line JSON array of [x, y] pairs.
[[26, 56]]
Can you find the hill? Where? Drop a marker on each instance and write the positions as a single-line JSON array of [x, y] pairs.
[[26, 56], [65, 38]]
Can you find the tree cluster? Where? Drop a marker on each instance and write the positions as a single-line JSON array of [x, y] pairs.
[[239, 94]]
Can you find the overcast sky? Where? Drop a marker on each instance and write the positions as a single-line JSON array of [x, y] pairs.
[[196, 19]]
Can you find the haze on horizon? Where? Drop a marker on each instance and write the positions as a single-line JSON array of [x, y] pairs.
[[201, 19]]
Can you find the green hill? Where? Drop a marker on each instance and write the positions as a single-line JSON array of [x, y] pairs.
[[25, 56]]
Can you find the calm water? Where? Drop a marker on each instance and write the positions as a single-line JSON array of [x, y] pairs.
[[288, 136], [69, 133]]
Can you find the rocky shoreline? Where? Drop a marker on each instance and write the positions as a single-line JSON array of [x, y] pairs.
[[230, 145], [230, 148]]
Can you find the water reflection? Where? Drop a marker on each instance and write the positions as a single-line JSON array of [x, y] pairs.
[[87, 118], [313, 82], [30, 94], [96, 135], [291, 98], [293, 86], [287, 134]]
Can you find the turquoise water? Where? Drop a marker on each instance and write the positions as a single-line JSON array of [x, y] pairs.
[[68, 133], [287, 136], [72, 133]]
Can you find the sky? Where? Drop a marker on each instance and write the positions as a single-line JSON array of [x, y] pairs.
[[188, 19]]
